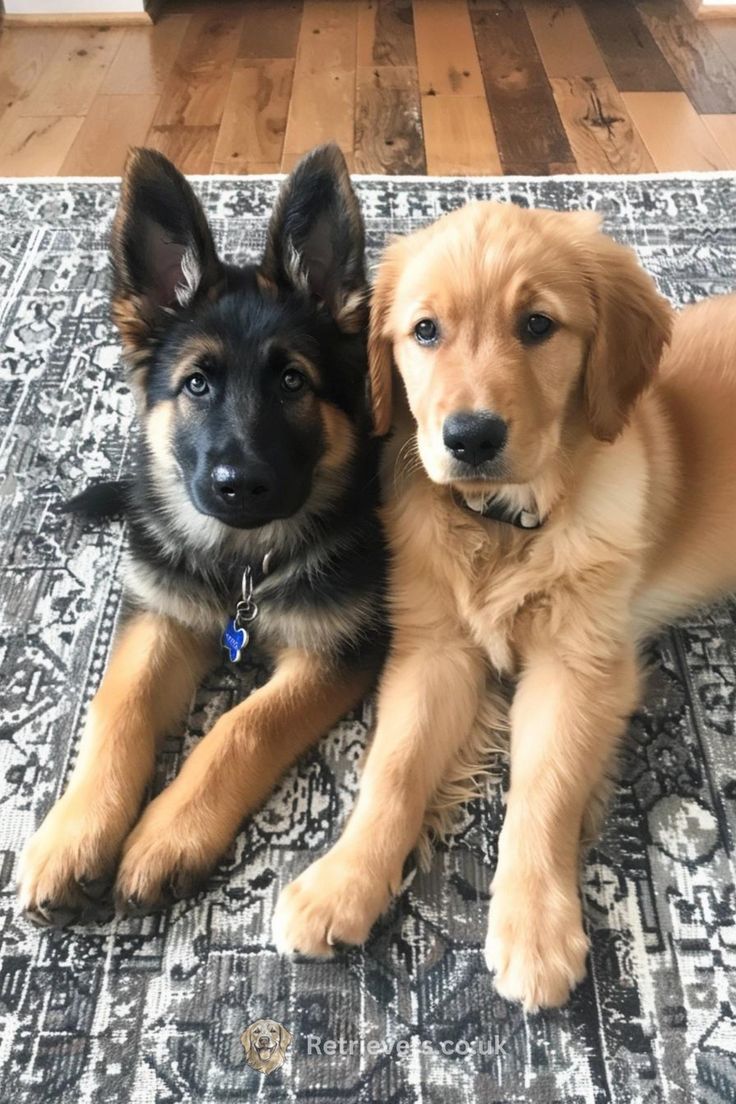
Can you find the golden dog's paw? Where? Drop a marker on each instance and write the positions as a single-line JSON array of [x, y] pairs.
[[334, 901], [536, 947], [168, 856], [68, 866]]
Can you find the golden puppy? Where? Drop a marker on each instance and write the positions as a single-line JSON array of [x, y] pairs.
[[557, 495], [265, 1044]]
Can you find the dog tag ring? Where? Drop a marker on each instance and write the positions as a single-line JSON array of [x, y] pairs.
[[236, 637]]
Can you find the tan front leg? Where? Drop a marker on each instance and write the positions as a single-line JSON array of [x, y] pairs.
[[566, 720], [69, 863], [188, 827], [427, 703]]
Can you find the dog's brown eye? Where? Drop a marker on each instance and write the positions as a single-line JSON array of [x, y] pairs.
[[538, 326], [292, 380], [426, 331], [196, 385]]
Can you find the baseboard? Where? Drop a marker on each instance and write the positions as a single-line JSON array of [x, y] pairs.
[[96, 19], [712, 11]]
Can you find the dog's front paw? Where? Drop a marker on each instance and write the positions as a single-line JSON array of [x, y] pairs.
[[67, 867], [169, 854], [334, 901], [536, 946]]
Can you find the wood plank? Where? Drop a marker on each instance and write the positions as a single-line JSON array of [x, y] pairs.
[[700, 65], [33, 146], [525, 117], [564, 40], [458, 136], [631, 54], [74, 74], [112, 125], [323, 93], [601, 133], [386, 33], [24, 55], [270, 29], [673, 132], [388, 124], [254, 119], [723, 129], [447, 58], [194, 94], [191, 148], [146, 57]]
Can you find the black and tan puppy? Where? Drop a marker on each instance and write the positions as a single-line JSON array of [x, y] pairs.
[[253, 510]]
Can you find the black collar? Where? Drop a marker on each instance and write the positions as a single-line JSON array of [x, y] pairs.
[[496, 510]]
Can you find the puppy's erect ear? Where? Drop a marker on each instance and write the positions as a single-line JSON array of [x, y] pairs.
[[633, 325], [381, 338], [316, 240], [163, 255]]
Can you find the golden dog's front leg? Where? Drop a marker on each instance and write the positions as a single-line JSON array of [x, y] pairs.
[[427, 703], [565, 723], [189, 826], [69, 864]]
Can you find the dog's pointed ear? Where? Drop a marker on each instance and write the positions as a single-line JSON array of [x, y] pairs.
[[163, 255], [633, 325], [381, 336], [316, 240]]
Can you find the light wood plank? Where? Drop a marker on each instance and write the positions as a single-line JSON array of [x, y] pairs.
[[112, 125], [194, 94], [602, 135], [33, 146], [74, 74], [191, 148], [388, 123], [723, 129], [673, 132], [447, 59], [254, 119], [323, 93], [24, 56], [564, 40], [458, 136], [146, 57]]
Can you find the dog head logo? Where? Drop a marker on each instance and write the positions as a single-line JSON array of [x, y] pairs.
[[265, 1044]]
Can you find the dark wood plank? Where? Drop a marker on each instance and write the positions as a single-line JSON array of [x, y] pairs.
[[388, 128], [525, 117], [270, 28], [632, 56], [703, 70], [393, 42]]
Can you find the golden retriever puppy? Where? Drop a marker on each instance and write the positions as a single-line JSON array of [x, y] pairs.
[[561, 489]]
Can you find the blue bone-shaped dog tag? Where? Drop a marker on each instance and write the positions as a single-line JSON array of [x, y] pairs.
[[235, 640]]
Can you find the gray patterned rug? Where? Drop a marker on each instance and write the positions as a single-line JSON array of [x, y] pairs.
[[153, 1009]]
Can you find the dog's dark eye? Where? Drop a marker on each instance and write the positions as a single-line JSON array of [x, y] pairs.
[[537, 327], [293, 380], [426, 331], [196, 385]]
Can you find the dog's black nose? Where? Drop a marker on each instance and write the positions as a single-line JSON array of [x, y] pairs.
[[474, 436], [235, 487]]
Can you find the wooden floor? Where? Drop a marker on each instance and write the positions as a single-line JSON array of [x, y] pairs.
[[438, 86]]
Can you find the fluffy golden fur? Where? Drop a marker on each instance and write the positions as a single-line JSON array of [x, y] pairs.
[[627, 455]]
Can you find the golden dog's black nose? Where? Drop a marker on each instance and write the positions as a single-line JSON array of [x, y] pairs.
[[474, 436]]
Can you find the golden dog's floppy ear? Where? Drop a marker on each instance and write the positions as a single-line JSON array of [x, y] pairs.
[[380, 337], [247, 1040], [633, 325], [285, 1038]]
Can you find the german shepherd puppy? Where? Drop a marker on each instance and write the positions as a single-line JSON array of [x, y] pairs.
[[253, 509]]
